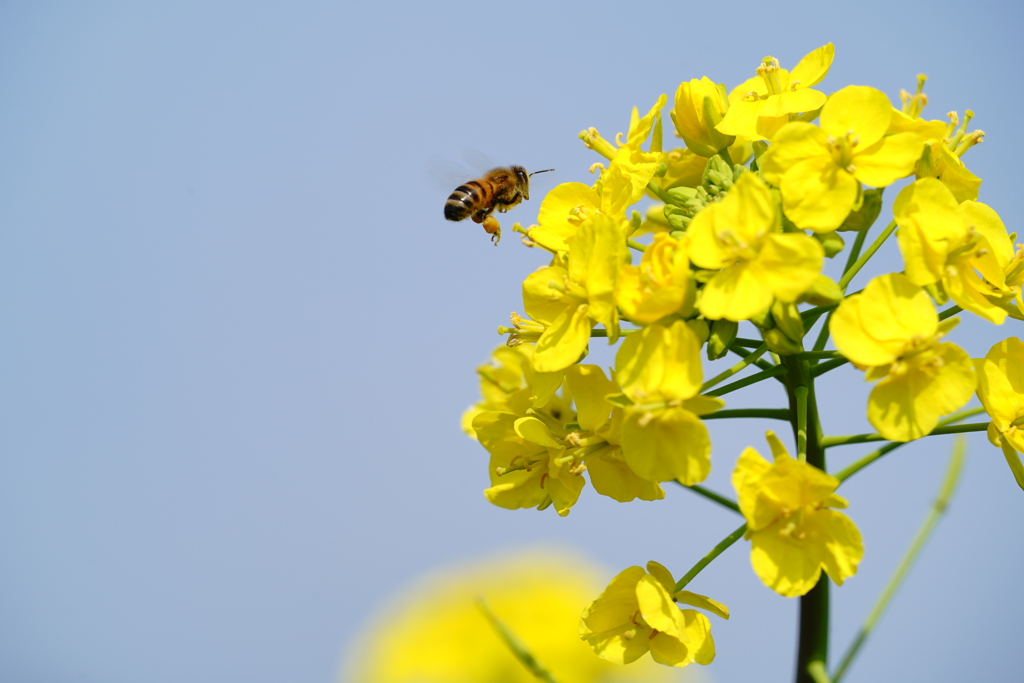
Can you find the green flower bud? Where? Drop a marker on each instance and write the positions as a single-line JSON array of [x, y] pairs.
[[788, 320], [764, 320], [864, 217], [779, 343], [831, 241], [823, 292], [723, 333], [699, 326]]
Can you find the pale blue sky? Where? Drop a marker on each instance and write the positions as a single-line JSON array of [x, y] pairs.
[[238, 333]]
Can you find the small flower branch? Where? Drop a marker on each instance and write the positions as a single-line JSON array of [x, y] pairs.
[[707, 559], [830, 441], [852, 271], [717, 379], [938, 507], [524, 656], [768, 413], [855, 467], [745, 382], [711, 495]]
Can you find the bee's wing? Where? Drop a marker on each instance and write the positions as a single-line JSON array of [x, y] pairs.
[[447, 174]]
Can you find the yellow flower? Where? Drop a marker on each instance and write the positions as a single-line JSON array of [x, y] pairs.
[[741, 236], [820, 170], [1001, 391], [662, 435], [793, 532], [699, 107], [965, 247], [433, 632], [636, 613], [529, 465], [569, 301], [892, 330], [562, 212], [660, 285], [763, 104]]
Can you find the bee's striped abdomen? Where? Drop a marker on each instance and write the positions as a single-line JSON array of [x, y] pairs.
[[466, 199]]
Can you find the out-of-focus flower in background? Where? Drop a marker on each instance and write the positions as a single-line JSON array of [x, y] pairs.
[[435, 632]]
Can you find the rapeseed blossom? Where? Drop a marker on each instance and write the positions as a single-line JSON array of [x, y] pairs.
[[820, 170], [636, 614], [1001, 391], [729, 260], [794, 529], [892, 331]]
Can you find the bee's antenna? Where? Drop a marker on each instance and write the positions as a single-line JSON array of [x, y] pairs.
[[544, 171]]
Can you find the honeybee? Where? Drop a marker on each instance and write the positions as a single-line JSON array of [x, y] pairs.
[[499, 188]]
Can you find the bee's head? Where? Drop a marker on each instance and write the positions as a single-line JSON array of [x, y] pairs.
[[522, 180]]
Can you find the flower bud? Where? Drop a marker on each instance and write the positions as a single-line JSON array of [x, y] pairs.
[[699, 326], [823, 292], [700, 105], [779, 343], [787, 318], [831, 241], [723, 333], [864, 217], [763, 320]]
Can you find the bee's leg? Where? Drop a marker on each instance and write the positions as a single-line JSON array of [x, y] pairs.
[[510, 203], [493, 228], [482, 214]]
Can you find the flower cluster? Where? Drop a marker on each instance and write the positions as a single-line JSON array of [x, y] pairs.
[[746, 214]]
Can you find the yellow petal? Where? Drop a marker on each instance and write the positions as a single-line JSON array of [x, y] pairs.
[[887, 161], [589, 386], [734, 294], [843, 545], [818, 195], [788, 264], [563, 210], [795, 142], [659, 363], [908, 405], [813, 67], [931, 226], [668, 444], [860, 110], [564, 341], [702, 602], [785, 564], [612, 477], [658, 609]]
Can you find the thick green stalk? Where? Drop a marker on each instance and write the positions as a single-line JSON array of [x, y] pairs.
[[812, 649], [938, 507]]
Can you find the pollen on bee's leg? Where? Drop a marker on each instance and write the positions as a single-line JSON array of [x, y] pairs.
[[492, 228]]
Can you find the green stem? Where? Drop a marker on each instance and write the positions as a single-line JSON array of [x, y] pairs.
[[822, 368], [819, 343], [633, 244], [855, 467], [622, 332], [749, 343], [770, 413], [707, 559], [711, 495], [858, 244], [812, 650], [815, 355], [949, 312], [830, 441], [761, 363], [746, 381], [717, 379], [519, 650], [938, 507], [852, 271], [801, 423]]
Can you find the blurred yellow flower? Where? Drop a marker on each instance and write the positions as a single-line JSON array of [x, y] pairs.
[[434, 633]]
